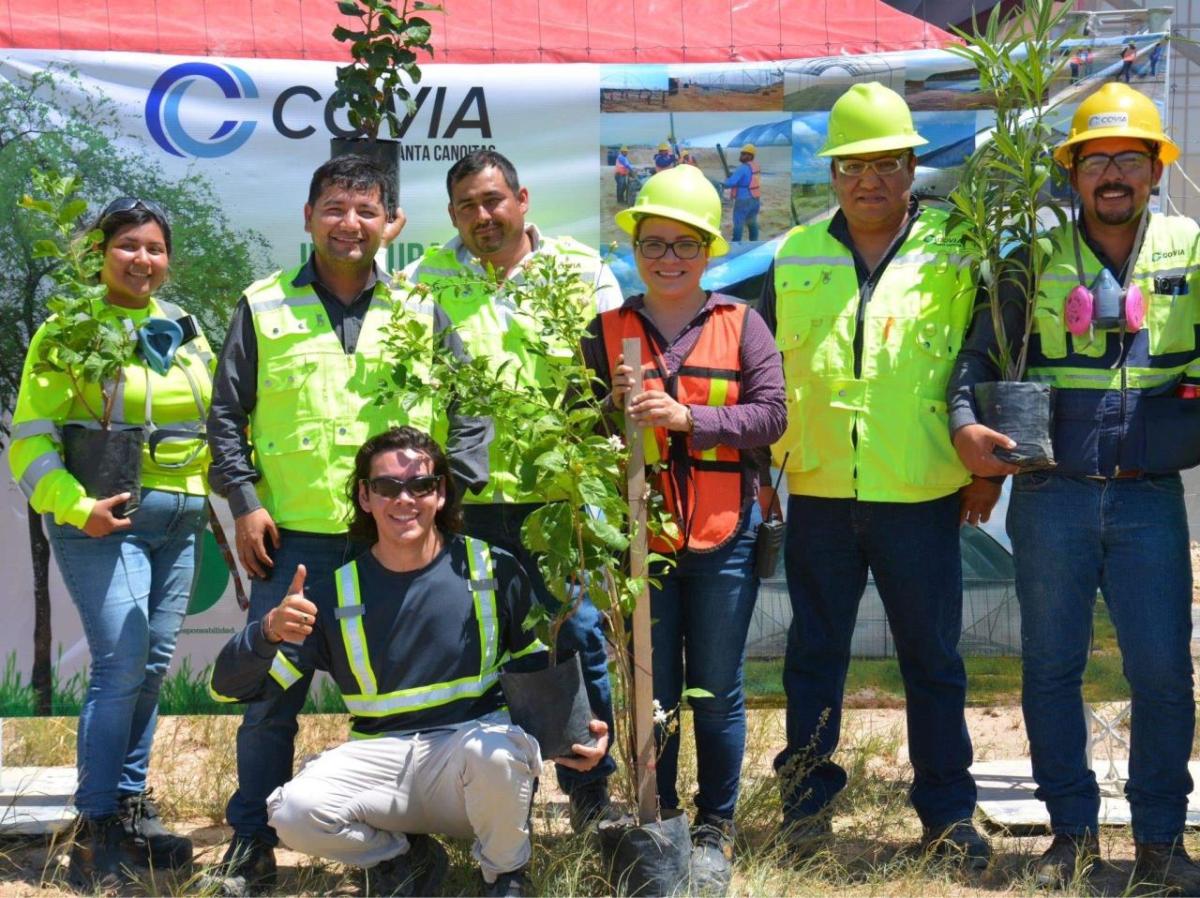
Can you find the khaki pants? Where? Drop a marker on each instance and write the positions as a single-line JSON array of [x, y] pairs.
[[354, 803]]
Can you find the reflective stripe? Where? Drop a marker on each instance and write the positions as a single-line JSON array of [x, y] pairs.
[[812, 261], [954, 259], [292, 302], [369, 703], [420, 697], [352, 629], [479, 560], [37, 469], [217, 697], [36, 428], [536, 646], [1097, 379], [284, 672]]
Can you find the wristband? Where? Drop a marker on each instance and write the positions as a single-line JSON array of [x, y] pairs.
[[266, 628]]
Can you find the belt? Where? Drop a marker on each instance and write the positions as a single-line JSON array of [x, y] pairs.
[[1120, 475]]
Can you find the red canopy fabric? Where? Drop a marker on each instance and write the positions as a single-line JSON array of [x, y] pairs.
[[481, 31]]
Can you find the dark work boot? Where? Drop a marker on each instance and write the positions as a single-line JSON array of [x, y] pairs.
[[960, 843], [1068, 857], [590, 804], [247, 868], [96, 855], [148, 843], [1166, 865], [419, 871], [804, 837], [711, 866]]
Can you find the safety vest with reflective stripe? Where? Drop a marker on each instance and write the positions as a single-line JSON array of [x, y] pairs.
[[701, 488], [363, 698], [881, 436], [492, 326], [1095, 432], [177, 401], [317, 404]]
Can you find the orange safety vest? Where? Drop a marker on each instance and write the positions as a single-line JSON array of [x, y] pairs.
[[1128, 55], [701, 488]]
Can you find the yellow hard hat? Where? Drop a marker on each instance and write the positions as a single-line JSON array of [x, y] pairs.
[[750, 148], [1117, 110], [664, 146], [624, 149], [682, 194], [870, 118]]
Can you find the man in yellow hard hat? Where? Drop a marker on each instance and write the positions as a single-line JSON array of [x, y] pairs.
[[1114, 331], [869, 309], [744, 188], [664, 158]]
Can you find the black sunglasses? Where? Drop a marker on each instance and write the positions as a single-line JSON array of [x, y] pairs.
[[129, 203], [391, 487]]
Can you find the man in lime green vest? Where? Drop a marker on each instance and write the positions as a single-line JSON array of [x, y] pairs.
[[1116, 332], [293, 399], [869, 309], [487, 207]]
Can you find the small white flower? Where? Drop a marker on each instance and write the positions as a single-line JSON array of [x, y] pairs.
[[660, 716], [618, 445]]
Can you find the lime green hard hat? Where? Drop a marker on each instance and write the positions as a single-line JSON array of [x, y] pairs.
[[870, 118], [682, 194]]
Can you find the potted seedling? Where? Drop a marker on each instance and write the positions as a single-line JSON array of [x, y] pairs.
[[557, 433], [383, 46], [84, 339], [997, 203]]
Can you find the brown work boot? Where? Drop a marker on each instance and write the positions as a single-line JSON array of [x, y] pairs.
[[1166, 865], [1068, 858]]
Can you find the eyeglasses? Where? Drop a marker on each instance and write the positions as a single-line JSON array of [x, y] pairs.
[[392, 487], [129, 203], [856, 168], [1129, 163], [684, 250]]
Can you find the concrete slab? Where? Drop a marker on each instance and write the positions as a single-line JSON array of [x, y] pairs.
[[36, 800], [1006, 799]]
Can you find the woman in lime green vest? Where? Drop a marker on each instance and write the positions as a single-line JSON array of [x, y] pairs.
[[129, 576]]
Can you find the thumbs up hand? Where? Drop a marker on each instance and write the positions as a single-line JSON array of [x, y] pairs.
[[293, 618]]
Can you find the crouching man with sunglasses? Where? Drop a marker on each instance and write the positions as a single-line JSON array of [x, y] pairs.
[[413, 632]]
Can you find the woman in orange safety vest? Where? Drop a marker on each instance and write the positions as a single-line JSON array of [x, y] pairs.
[[712, 399]]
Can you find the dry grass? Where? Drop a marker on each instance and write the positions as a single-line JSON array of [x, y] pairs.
[[872, 854]]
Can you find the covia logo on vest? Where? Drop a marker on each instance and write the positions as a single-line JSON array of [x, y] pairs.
[[166, 96]]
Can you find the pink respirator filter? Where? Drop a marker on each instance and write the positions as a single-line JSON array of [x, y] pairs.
[[1079, 310]]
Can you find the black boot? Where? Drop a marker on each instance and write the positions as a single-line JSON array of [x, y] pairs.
[[711, 865], [247, 868], [96, 855], [1166, 865], [1069, 857], [148, 842], [419, 871], [514, 884], [590, 805]]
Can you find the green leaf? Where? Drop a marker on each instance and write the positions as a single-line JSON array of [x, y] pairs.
[[46, 249], [348, 8]]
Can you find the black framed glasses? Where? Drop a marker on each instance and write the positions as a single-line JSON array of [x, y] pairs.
[[129, 203], [392, 487], [685, 249], [856, 168], [1130, 162]]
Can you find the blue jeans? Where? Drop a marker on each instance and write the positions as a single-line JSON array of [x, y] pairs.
[[132, 589], [500, 524], [745, 214], [913, 551], [1128, 539], [266, 738], [701, 612]]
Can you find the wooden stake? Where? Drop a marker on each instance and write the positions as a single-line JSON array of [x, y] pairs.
[[643, 681]]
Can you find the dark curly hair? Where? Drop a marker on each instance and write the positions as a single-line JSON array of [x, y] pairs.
[[362, 525]]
